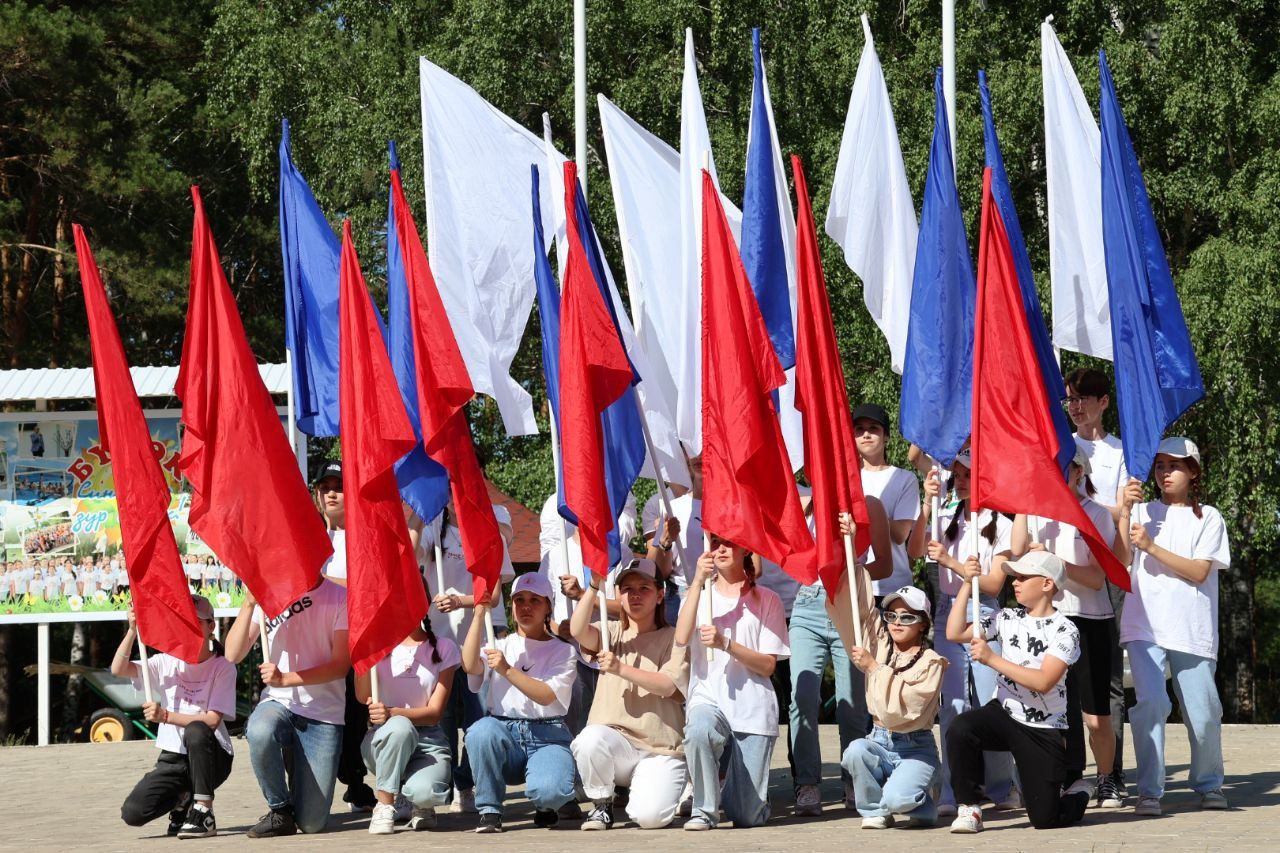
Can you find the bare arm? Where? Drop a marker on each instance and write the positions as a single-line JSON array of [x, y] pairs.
[[471, 663], [688, 617], [580, 623], [1052, 669], [959, 628], [1020, 537], [882, 566], [243, 632], [121, 665], [331, 670]]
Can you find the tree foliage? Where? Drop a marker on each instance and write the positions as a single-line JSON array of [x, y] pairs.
[[109, 113]]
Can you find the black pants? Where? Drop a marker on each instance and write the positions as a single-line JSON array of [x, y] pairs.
[[351, 767], [1039, 754], [1119, 713], [205, 766]]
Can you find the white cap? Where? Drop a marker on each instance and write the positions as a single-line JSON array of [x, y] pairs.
[[1179, 448], [910, 596], [534, 582], [963, 458], [639, 566], [1041, 563]]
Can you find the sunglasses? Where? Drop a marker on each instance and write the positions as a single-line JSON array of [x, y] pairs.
[[901, 617]]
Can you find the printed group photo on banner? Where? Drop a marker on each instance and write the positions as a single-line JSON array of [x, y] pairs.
[[494, 459]]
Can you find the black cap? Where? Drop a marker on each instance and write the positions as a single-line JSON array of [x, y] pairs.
[[331, 468], [872, 412]]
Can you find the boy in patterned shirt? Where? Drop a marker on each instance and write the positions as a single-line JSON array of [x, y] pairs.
[[1028, 716]]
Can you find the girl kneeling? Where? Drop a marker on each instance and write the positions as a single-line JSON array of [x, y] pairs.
[[407, 751], [633, 735], [529, 677], [732, 711]]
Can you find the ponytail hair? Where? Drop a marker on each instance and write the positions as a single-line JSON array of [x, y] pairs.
[[426, 624], [988, 530], [1193, 493]]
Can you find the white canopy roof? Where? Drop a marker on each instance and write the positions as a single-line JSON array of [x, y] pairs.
[[76, 383]]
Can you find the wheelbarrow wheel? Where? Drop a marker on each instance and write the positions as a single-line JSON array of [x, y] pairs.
[[107, 725]]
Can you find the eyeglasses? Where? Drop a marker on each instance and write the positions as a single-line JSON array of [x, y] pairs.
[[901, 617], [1068, 402]]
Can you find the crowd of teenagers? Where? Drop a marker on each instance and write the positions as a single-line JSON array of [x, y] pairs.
[[661, 713], [60, 578]]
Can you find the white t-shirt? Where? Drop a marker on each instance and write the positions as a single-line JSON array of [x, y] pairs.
[[226, 576], [457, 579], [1025, 640], [68, 581], [336, 566], [122, 577], [747, 700], [407, 677], [1163, 607], [899, 491], [302, 638], [1106, 461], [551, 537], [688, 511], [191, 688], [1076, 599], [551, 661], [949, 582]]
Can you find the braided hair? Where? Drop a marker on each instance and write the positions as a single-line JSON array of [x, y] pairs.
[[426, 625], [988, 530], [890, 650]]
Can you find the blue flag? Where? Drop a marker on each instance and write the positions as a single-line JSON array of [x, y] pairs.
[[1003, 197], [763, 250], [423, 482], [1157, 377], [549, 319], [310, 251], [937, 371]]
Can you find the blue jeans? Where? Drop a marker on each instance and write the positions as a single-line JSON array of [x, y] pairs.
[[461, 712], [893, 773], [712, 748], [965, 686], [295, 760], [409, 760], [507, 752], [1201, 713], [814, 642]]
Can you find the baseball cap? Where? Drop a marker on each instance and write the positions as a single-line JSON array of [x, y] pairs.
[[1179, 448], [534, 582], [204, 609], [964, 459], [872, 412], [331, 468], [1082, 459], [639, 566], [1041, 563], [910, 596]]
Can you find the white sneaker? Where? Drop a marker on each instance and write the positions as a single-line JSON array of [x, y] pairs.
[[808, 801], [464, 802], [947, 810], [1081, 785], [404, 808], [422, 819], [1011, 802], [968, 820], [383, 821], [1147, 807], [878, 822]]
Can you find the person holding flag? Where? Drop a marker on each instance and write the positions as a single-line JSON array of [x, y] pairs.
[[196, 700]]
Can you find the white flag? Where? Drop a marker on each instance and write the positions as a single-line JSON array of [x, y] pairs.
[[871, 215], [1077, 266], [479, 235]]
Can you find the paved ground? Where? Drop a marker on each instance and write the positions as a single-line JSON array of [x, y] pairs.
[[68, 797]]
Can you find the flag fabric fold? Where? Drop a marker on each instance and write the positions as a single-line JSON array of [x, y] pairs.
[[310, 252], [443, 390], [385, 597], [1077, 268], [831, 456], [1002, 197], [749, 493], [161, 598], [594, 374], [937, 374], [424, 485], [871, 215], [1157, 376], [249, 501], [1015, 469]]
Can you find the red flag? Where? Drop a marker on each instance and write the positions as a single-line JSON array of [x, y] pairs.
[[385, 598], [161, 599], [594, 372], [1014, 441], [830, 455], [444, 389], [749, 494], [249, 501]]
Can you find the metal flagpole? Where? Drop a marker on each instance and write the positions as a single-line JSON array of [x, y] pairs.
[[580, 88]]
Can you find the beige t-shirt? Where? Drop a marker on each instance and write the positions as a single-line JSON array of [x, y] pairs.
[[649, 721]]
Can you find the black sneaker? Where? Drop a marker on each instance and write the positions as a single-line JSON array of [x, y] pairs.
[[199, 824], [490, 822], [274, 823], [178, 816], [601, 816], [546, 818], [360, 798]]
